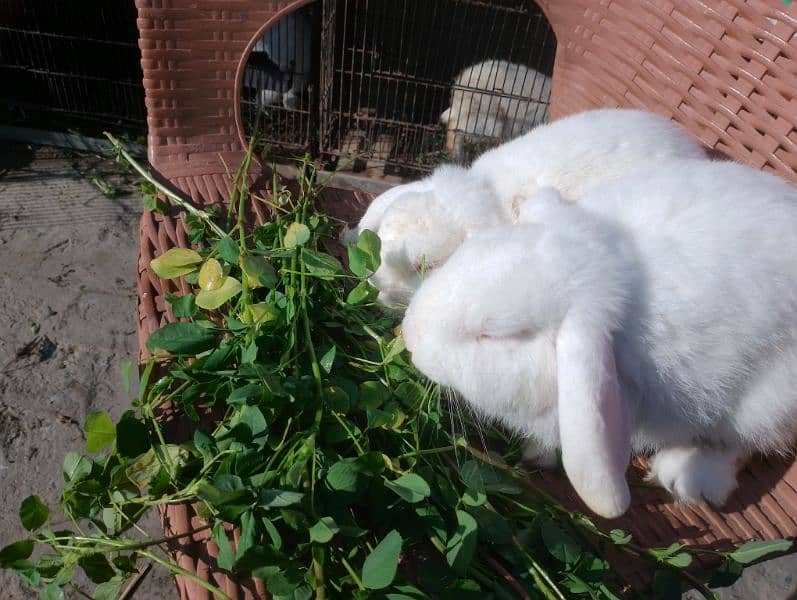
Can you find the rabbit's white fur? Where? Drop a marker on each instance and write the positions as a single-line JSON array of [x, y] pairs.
[[571, 155], [659, 313], [494, 99]]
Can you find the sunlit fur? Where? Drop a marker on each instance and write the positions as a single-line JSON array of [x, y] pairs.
[[432, 217], [657, 314]]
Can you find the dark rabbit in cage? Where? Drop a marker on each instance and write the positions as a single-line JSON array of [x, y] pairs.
[[281, 65]]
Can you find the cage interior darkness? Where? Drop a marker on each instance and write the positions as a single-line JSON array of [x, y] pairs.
[[71, 65], [395, 88]]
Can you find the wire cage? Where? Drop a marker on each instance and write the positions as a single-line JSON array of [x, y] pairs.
[[71, 65], [279, 90], [375, 87], [726, 71]]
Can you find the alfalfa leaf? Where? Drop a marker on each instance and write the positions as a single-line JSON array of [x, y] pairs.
[[379, 568]]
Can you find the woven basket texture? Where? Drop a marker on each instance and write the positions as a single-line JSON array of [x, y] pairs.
[[726, 70]]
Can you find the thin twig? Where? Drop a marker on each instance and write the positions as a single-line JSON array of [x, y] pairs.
[[135, 582], [507, 576]]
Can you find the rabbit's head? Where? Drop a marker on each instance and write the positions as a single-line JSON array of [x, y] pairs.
[[421, 224], [519, 322]]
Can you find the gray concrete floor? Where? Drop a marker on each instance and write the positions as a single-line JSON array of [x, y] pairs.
[[67, 301]]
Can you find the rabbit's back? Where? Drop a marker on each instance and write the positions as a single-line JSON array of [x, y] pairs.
[[709, 339], [576, 153]]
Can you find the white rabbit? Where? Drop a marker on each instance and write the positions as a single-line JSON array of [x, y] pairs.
[[573, 154], [494, 99], [280, 66], [659, 313]]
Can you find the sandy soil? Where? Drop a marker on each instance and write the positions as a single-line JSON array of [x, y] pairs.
[[67, 300]]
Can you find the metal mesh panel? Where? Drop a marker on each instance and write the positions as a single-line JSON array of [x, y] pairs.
[[65, 63], [391, 69], [280, 84], [369, 81]]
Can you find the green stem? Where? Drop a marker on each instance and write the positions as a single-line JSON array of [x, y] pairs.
[[187, 574], [186, 206], [353, 574]]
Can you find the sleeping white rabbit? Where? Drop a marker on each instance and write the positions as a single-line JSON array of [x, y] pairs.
[[494, 99], [659, 313], [422, 222]]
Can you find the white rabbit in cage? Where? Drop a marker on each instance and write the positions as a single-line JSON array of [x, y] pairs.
[[494, 99], [281, 63]]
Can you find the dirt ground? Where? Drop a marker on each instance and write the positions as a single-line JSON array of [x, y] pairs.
[[67, 301]]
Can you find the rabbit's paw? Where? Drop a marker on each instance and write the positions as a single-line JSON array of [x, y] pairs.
[[695, 474]]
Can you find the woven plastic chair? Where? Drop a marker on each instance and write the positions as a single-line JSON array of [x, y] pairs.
[[726, 70]]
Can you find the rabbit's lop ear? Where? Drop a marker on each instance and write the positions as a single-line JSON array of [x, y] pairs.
[[593, 421]]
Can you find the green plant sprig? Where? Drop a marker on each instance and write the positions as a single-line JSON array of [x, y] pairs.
[[315, 437]]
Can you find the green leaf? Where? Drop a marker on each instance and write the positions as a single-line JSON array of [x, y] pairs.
[[752, 551], [337, 399], [33, 513], [109, 590], [411, 487], [100, 431], [228, 250], [242, 394], [212, 299], [211, 275], [324, 530], [328, 359], [394, 348], [96, 567], [182, 306], [181, 338], [484, 478], [226, 557], [358, 260], [373, 395], [259, 272], [248, 534], [411, 394], [619, 537], [297, 234], [76, 467], [342, 476], [462, 544], [15, 552], [363, 292], [666, 586], [279, 498], [320, 264], [379, 568], [175, 263], [132, 436], [680, 560], [726, 574], [559, 543], [51, 592], [127, 375], [371, 245]]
